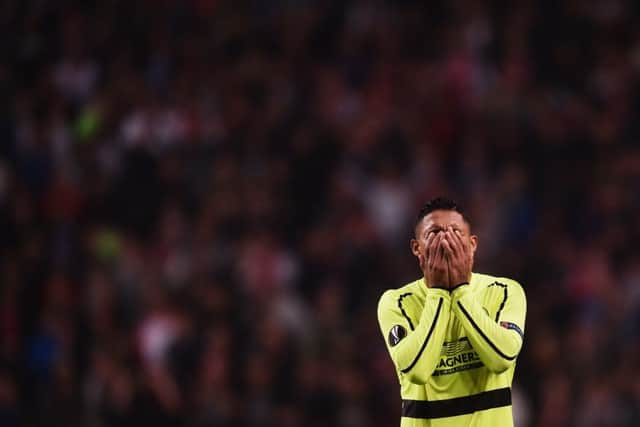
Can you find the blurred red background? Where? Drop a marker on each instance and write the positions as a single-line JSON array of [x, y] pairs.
[[202, 201]]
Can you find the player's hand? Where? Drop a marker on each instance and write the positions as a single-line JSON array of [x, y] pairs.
[[458, 251], [434, 263], [422, 258]]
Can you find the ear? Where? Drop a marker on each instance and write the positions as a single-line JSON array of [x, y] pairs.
[[473, 241], [415, 247]]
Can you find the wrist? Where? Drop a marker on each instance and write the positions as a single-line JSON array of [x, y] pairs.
[[456, 286], [460, 290], [433, 284]]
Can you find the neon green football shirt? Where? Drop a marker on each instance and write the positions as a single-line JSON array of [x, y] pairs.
[[455, 352]]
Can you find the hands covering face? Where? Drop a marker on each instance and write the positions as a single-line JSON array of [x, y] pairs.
[[459, 255], [447, 258]]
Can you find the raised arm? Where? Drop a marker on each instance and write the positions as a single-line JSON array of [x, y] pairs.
[[497, 339], [415, 344]]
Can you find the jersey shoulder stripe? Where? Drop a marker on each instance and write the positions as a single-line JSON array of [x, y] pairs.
[[504, 298], [404, 313]]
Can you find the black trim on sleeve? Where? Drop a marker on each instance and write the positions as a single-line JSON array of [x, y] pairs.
[[477, 328], [429, 409], [504, 299], [424, 344], [404, 313]]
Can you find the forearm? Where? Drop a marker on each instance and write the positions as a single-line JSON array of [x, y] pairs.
[[417, 355], [496, 345]]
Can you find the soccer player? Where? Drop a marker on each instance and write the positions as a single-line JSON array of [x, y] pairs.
[[453, 335]]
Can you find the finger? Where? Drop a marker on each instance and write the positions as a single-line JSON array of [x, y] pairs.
[[447, 246], [429, 246], [459, 262], [465, 245], [446, 259], [453, 251], [437, 264], [442, 251], [452, 243], [434, 246], [461, 244], [434, 258]]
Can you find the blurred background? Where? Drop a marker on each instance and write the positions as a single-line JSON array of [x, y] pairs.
[[201, 202]]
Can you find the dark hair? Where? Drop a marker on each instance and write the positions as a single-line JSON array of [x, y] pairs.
[[439, 204]]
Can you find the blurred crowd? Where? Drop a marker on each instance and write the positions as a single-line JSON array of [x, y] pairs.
[[201, 202]]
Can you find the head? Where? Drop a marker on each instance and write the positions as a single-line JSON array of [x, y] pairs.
[[435, 217]]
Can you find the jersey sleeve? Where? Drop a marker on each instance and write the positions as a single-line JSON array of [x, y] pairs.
[[415, 344], [498, 339]]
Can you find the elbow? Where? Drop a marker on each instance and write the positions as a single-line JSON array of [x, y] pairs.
[[414, 372], [417, 377], [419, 374], [503, 361], [499, 365]]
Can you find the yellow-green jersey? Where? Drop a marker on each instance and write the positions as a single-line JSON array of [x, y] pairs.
[[455, 352]]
